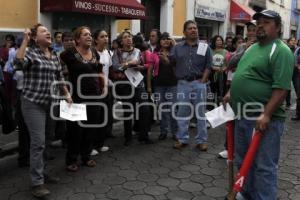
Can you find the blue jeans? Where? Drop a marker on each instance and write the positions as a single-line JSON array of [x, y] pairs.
[[191, 96], [261, 182], [167, 97]]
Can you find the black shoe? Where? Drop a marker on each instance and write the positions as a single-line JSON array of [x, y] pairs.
[[162, 137], [40, 191], [146, 141], [110, 136], [295, 118], [51, 179], [23, 164], [127, 142], [174, 138], [48, 157]]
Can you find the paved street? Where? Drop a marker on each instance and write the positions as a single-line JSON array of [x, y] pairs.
[[148, 172]]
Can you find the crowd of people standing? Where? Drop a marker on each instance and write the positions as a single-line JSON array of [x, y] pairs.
[[178, 79]]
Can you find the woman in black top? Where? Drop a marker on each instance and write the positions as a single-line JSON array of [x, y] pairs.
[[83, 60], [165, 86]]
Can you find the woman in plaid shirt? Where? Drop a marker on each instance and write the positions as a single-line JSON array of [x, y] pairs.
[[41, 69]]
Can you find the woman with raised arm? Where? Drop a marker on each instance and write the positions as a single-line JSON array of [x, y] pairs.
[[41, 69]]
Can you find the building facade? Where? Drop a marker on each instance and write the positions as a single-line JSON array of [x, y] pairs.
[[213, 17], [295, 17], [60, 15], [283, 7]]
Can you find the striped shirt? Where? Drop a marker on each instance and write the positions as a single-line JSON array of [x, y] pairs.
[[40, 72]]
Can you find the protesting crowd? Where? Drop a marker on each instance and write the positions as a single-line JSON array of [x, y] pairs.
[[169, 81]]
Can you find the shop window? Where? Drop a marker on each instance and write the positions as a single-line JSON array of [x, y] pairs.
[[298, 5], [69, 21]]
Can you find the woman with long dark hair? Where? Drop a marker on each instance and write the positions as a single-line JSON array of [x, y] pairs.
[[218, 80], [165, 86]]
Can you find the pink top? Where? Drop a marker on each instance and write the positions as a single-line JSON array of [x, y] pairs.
[[155, 60], [147, 58]]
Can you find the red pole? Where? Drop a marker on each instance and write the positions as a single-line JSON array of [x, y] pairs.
[[230, 149], [243, 172], [240, 180]]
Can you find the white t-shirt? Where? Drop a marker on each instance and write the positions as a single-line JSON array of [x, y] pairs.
[[105, 60]]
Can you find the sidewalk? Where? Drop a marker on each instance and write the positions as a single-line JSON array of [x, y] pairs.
[[151, 172]]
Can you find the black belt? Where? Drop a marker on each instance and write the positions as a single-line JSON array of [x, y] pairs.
[[191, 78]]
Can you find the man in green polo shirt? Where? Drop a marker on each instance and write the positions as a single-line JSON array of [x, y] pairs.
[[259, 87]]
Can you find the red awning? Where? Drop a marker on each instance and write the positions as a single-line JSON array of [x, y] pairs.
[[130, 9], [240, 12]]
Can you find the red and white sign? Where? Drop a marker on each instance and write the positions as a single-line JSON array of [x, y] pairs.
[[125, 9]]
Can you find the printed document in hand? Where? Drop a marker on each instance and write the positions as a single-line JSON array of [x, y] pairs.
[[72, 112], [219, 116], [135, 77]]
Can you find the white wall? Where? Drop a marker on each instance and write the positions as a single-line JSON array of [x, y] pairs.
[[136, 24], [113, 29], [190, 6], [166, 16], [44, 18], [285, 13]]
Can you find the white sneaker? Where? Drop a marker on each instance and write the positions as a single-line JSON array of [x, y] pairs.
[[56, 143], [104, 148], [223, 154], [119, 103], [94, 152], [193, 125], [239, 196]]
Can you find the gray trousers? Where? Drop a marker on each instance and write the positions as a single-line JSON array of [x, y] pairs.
[[38, 120]]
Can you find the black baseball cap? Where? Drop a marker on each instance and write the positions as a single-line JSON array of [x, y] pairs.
[[268, 14]]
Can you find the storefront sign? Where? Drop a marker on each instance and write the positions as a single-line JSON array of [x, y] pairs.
[[107, 8], [209, 13], [127, 9]]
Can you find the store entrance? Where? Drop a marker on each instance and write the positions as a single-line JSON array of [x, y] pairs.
[[152, 17], [69, 21]]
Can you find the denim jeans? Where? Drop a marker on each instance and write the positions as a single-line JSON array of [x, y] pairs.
[[167, 96], [39, 124], [261, 182], [191, 96]]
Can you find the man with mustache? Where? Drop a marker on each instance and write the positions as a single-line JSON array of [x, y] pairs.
[[259, 87], [192, 62]]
